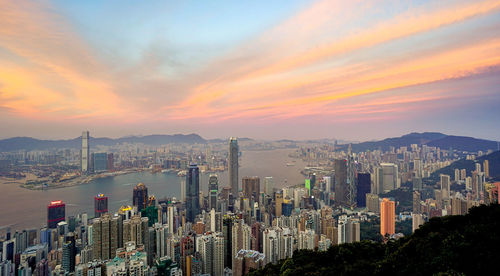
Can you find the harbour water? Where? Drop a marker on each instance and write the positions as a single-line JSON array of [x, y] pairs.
[[21, 208]]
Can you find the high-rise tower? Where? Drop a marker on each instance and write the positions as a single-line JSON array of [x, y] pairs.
[[351, 179], [363, 188], [213, 189], [192, 192], [56, 212], [251, 187], [387, 217], [85, 152], [140, 196], [100, 205], [233, 166], [341, 197], [268, 185]]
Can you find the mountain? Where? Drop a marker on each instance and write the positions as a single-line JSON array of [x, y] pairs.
[[464, 143], [450, 245], [403, 141], [469, 166], [433, 139], [28, 143]]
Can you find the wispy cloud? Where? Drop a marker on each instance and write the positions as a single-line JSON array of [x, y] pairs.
[[335, 61], [47, 71]]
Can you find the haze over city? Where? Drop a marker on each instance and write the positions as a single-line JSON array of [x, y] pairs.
[[249, 138], [353, 70]]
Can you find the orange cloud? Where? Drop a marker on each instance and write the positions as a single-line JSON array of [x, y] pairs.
[[299, 68], [404, 25], [269, 97], [47, 71], [270, 78]]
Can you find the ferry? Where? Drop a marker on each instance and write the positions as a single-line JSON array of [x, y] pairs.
[[182, 173]]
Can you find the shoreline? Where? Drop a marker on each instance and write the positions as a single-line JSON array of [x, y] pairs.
[[77, 181], [42, 184]]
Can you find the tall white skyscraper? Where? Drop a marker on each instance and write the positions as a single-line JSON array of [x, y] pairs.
[[204, 245], [85, 151], [170, 219], [211, 249], [213, 227], [218, 254], [328, 183], [277, 244]]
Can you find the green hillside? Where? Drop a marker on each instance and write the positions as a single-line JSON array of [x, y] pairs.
[[451, 245]]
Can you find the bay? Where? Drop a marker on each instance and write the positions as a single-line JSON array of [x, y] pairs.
[[21, 208]]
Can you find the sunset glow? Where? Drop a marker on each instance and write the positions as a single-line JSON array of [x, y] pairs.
[[216, 71]]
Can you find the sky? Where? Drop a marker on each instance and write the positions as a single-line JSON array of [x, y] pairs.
[[354, 70]]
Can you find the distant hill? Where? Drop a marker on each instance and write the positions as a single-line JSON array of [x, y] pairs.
[[450, 245], [433, 139], [27, 143], [464, 143], [469, 166], [405, 140]]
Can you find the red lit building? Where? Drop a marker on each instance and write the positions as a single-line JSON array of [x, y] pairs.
[[56, 212], [100, 205]]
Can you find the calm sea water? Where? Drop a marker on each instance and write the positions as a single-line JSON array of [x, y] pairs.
[[21, 208]]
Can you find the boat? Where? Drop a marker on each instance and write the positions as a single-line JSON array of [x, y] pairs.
[[182, 173]]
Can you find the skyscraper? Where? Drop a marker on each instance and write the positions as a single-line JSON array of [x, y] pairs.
[[389, 177], [312, 181], [378, 181], [105, 235], [364, 185], [213, 188], [278, 201], [140, 196], [387, 217], [351, 179], [445, 186], [85, 151], [340, 167], [416, 202], [486, 168], [348, 231], [268, 185], [192, 192], [100, 162], [56, 212], [251, 187], [204, 246], [233, 166], [417, 220], [417, 183], [110, 166], [328, 183], [100, 205], [69, 253]]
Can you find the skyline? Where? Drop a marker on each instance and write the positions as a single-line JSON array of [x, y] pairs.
[[340, 141], [304, 70]]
